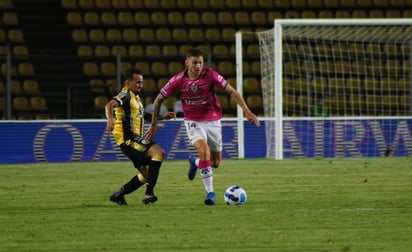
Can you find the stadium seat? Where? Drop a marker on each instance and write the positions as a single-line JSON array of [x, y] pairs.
[[196, 35], [272, 15], [142, 18], [74, 18], [325, 14], [20, 51], [91, 69], [319, 85], [153, 51], [269, 4], [167, 4], [15, 36], [376, 14], [86, 4], [108, 69], [255, 103], [100, 103], [135, 4], [299, 4], [80, 36], [113, 35], [213, 35], [170, 51], [130, 35], [108, 18], [103, 4], [124, 66], [226, 68], [184, 4], [31, 87], [371, 85], [163, 34], [220, 51], [359, 14], [125, 18], [353, 85], [175, 18], [315, 4], [135, 51], [393, 14], [225, 18], [147, 35], [16, 87], [183, 49], [208, 18], [392, 67], [144, 67], [242, 18], [334, 4], [67, 4], [91, 18], [258, 18], [347, 3], [308, 14], [291, 14], [228, 35], [217, 4], [2, 36], [38, 103], [233, 4], [152, 4], [343, 14], [4, 70], [120, 50], [159, 68], [191, 18], [149, 85], [248, 4], [97, 86], [102, 51], [97, 35], [119, 4], [255, 67], [158, 18], [26, 69], [251, 86], [175, 67], [21, 104]]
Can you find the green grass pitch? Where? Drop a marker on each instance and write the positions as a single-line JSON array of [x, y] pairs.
[[293, 205]]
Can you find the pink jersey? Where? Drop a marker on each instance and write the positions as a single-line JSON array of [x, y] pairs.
[[199, 99]]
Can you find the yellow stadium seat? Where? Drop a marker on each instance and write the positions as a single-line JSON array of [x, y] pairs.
[[184, 4], [152, 4], [153, 51], [91, 18], [147, 35], [31, 87], [108, 69], [158, 18], [130, 35], [142, 18], [26, 69], [120, 50], [15, 36], [74, 18], [108, 18], [113, 35], [228, 35], [38, 103], [225, 18], [91, 69], [170, 51], [135, 4], [102, 51], [21, 104], [167, 4], [97, 35], [119, 4], [20, 51], [220, 50], [208, 18], [100, 103], [159, 68], [258, 18], [175, 18], [196, 35], [242, 18], [103, 4], [86, 4], [125, 18], [300, 4], [80, 36], [175, 67], [213, 35], [191, 18], [67, 4], [135, 51], [144, 67], [315, 4], [226, 68], [163, 34]]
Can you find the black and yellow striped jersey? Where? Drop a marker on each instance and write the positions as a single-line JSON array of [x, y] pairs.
[[129, 121]]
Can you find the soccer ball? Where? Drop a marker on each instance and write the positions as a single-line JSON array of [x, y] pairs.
[[235, 195]]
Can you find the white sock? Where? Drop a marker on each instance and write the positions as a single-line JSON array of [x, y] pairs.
[[207, 178], [197, 162]]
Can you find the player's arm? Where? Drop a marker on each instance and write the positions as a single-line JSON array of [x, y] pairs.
[[251, 117], [109, 114], [151, 132]]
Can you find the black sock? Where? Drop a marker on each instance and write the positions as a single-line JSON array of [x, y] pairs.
[[154, 168], [130, 186]]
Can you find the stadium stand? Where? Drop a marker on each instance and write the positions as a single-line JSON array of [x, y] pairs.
[[68, 44]]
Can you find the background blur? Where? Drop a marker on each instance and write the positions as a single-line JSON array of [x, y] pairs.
[[64, 58]]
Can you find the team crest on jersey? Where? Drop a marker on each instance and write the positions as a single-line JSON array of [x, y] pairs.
[[194, 89]]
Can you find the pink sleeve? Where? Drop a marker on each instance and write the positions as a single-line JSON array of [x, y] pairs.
[[170, 86], [219, 80]]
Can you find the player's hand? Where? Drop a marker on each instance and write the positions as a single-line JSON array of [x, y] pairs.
[[252, 118], [169, 115], [110, 125], [150, 133]]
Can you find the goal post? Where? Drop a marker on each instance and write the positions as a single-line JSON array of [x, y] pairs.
[[336, 87]]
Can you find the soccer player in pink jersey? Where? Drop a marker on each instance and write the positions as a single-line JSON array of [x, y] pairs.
[[202, 115]]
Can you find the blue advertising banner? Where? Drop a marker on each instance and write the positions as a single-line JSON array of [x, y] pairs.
[[87, 140]]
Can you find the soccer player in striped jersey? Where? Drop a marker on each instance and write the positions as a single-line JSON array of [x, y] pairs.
[[125, 118], [202, 115]]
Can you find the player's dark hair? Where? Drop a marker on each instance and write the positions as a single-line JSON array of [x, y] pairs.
[[194, 52], [128, 75]]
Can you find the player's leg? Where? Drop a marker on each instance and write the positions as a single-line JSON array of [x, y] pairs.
[[134, 183], [157, 156]]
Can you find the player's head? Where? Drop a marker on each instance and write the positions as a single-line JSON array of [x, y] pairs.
[[194, 62], [133, 80]]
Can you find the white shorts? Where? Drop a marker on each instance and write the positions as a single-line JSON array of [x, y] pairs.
[[210, 131]]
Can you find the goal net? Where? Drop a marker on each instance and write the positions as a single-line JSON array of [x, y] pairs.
[[337, 88]]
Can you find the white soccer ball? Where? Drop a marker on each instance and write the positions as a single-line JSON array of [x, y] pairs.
[[235, 195]]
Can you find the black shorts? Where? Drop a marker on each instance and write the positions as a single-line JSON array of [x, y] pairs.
[[136, 151]]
